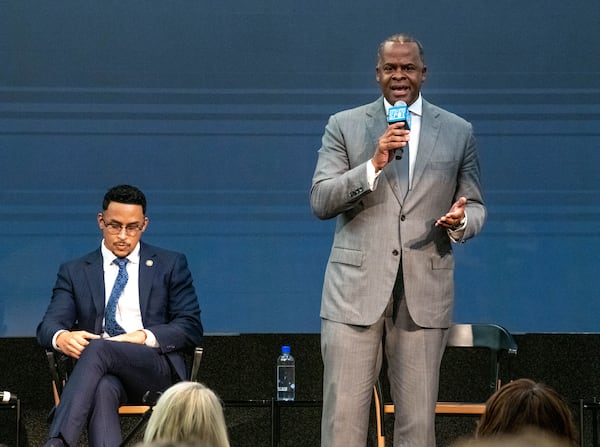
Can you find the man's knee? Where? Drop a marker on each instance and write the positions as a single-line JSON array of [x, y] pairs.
[[95, 348], [111, 388], [101, 352]]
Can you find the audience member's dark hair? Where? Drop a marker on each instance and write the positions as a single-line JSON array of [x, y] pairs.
[[526, 438], [524, 404]]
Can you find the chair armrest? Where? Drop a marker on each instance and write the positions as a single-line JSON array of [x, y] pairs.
[[53, 367], [198, 353]]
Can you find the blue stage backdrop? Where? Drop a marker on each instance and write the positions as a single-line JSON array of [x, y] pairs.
[[216, 110]]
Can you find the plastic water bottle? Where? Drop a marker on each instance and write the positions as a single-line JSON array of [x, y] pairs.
[[286, 375]]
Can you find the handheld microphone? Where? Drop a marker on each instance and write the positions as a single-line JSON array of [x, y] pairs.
[[7, 397], [399, 114]]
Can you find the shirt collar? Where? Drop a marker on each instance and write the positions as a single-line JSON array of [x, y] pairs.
[[108, 256], [415, 108]]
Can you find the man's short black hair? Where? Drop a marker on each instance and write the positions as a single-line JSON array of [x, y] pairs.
[[124, 194], [401, 38]]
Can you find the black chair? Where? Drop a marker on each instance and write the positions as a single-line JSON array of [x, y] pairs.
[[61, 366], [492, 337], [10, 401]]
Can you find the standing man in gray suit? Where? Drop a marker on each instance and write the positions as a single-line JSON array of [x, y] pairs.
[[390, 271]]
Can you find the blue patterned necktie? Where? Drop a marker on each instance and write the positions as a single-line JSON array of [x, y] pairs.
[[111, 326]]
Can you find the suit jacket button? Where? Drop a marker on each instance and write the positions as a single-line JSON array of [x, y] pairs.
[[395, 252], [403, 218]]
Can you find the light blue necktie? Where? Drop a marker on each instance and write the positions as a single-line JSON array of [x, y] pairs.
[[402, 168], [111, 326], [402, 165]]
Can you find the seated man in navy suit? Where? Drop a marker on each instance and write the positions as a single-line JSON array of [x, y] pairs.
[[136, 312]]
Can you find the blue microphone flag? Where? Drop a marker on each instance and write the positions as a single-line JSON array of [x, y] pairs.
[[399, 113]]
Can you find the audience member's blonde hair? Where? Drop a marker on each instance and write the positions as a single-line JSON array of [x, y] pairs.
[[189, 413], [524, 404]]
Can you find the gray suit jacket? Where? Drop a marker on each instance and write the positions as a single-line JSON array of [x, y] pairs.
[[376, 229]]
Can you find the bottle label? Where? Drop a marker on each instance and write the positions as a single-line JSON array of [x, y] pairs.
[[286, 385]]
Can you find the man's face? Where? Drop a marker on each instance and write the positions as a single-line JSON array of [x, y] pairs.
[[400, 72], [122, 226]]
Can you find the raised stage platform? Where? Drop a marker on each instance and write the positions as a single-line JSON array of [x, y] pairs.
[[242, 368]]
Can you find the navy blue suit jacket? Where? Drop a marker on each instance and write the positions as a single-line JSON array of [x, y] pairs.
[[168, 301]]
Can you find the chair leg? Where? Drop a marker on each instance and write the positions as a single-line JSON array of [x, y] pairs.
[[137, 427], [379, 415]]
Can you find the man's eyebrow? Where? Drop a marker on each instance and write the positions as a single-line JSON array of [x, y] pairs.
[[114, 221]]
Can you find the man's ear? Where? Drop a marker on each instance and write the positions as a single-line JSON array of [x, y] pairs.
[[146, 220]]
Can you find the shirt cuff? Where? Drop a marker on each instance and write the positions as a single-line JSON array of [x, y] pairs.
[[54, 345], [372, 176], [150, 339], [457, 233]]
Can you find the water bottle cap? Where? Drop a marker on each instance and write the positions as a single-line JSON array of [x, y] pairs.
[[285, 349]]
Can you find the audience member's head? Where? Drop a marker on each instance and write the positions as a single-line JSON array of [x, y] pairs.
[[527, 438], [172, 444], [189, 413], [524, 404]]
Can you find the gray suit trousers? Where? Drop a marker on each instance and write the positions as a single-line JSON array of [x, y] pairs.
[[352, 356]]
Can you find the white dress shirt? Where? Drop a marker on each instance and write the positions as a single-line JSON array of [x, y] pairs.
[[128, 314], [416, 113]]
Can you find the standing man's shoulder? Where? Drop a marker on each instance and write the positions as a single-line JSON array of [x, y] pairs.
[[444, 115], [359, 112]]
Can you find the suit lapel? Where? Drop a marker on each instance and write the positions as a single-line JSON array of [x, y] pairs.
[[430, 129], [376, 126], [94, 273], [148, 265], [376, 120]]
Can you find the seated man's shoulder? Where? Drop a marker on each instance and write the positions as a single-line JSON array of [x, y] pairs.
[[88, 258], [163, 253]]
